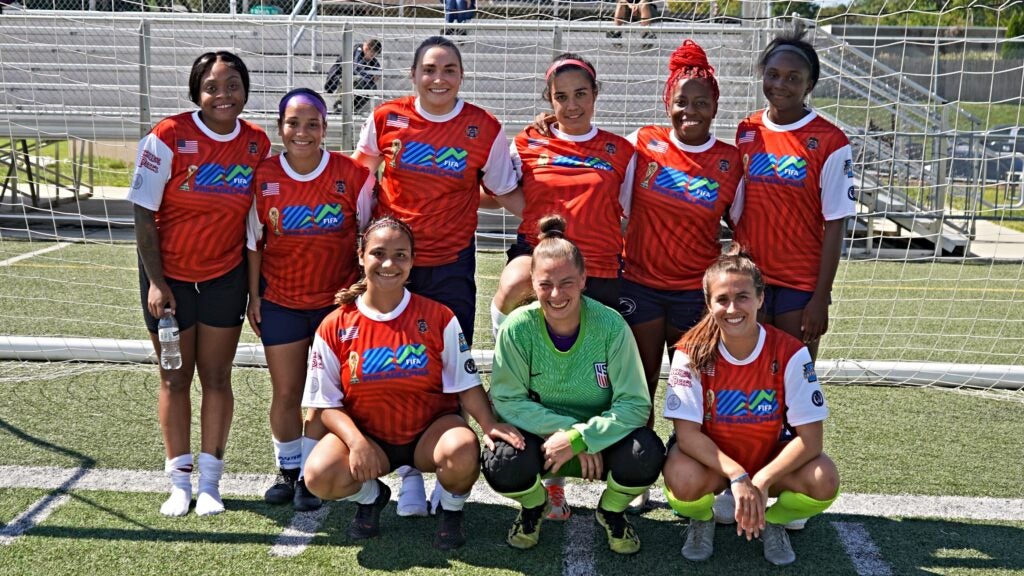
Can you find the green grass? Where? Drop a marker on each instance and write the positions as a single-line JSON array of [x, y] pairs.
[[105, 172]]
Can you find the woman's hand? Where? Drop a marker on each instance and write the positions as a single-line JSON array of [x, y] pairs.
[[814, 321], [252, 312], [506, 432], [366, 461], [542, 123], [557, 451], [591, 466], [160, 297], [750, 506]]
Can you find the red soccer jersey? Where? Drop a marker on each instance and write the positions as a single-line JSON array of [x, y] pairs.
[[199, 184], [744, 405], [394, 374], [309, 226], [680, 193], [433, 171], [582, 180], [797, 177]]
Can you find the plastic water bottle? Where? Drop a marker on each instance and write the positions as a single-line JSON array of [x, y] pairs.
[[170, 345]]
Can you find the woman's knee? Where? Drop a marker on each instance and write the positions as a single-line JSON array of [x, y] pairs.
[[687, 479], [822, 478], [458, 451], [508, 470], [637, 459]]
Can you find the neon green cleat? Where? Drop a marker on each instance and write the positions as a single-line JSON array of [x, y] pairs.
[[525, 531], [622, 539]]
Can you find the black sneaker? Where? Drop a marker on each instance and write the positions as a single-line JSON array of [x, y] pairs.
[[449, 530], [366, 523], [283, 489], [304, 500]]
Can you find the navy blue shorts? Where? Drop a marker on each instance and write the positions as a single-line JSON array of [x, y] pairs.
[[281, 325], [779, 300], [452, 285], [682, 309], [219, 302]]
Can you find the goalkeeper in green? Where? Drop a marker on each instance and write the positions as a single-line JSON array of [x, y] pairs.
[[567, 374]]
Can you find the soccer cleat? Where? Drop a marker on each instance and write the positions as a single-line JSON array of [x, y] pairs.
[[283, 490], [640, 504], [797, 524], [700, 540], [525, 531], [449, 530], [304, 500], [560, 510], [725, 508], [412, 498], [777, 548], [622, 539], [366, 523]]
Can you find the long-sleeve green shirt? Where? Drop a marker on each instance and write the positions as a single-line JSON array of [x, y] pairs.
[[597, 387]]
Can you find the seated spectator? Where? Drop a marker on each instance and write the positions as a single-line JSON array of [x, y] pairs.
[[365, 70]]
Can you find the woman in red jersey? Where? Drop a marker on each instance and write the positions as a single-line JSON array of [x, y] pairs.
[[685, 182], [192, 189], [799, 192], [437, 151], [388, 373], [309, 207], [735, 389]]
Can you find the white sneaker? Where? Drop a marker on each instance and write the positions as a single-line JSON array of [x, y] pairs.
[[725, 508], [412, 496]]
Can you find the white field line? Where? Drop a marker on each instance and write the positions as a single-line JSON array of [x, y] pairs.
[[300, 532], [34, 253], [867, 559]]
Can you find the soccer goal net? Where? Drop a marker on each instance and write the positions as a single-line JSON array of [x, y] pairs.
[[929, 290]]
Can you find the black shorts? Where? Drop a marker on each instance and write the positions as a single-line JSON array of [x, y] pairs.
[[219, 302], [398, 455]]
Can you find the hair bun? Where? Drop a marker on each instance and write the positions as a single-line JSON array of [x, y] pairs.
[[551, 226], [689, 54]]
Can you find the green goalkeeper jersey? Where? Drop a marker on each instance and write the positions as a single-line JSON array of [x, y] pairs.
[[597, 386]]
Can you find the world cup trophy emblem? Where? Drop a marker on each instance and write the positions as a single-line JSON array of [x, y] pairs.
[[709, 404], [353, 367], [274, 215], [652, 168], [396, 149]]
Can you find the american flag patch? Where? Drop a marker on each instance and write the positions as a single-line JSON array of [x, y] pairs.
[[188, 147], [601, 373], [536, 142], [658, 146], [346, 334], [396, 121], [270, 189], [746, 138]]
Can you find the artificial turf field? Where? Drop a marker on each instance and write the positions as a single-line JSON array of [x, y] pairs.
[[888, 441]]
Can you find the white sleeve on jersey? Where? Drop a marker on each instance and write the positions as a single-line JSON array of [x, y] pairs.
[[152, 171], [626, 189], [459, 371], [499, 173], [323, 379], [805, 402], [633, 137], [367, 145], [736, 210], [838, 193], [517, 162], [253, 228], [684, 398], [364, 202]]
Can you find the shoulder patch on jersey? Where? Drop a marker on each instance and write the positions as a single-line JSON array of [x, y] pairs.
[[852, 193], [809, 374], [673, 402], [680, 378], [848, 167], [817, 398], [463, 345], [470, 366]]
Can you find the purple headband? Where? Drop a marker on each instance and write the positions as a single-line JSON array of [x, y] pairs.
[[302, 96]]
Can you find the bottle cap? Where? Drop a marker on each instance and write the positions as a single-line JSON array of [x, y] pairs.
[[167, 309]]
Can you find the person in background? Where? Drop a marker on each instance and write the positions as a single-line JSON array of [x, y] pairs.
[[366, 71]]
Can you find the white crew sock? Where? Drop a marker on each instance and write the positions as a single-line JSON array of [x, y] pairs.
[[179, 469], [208, 499], [555, 481], [451, 502], [367, 494], [288, 454], [496, 320], [307, 447]]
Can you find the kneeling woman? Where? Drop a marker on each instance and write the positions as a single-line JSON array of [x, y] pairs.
[[567, 373], [747, 410], [389, 370]]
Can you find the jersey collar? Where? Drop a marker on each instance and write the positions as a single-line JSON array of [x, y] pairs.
[[811, 115], [213, 135], [383, 317], [753, 355], [459, 103], [691, 149], [572, 138], [325, 157]]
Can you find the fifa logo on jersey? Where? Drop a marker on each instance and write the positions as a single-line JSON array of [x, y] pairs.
[[214, 178], [769, 166], [447, 158], [379, 362], [317, 220], [693, 189], [737, 406], [576, 162]]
